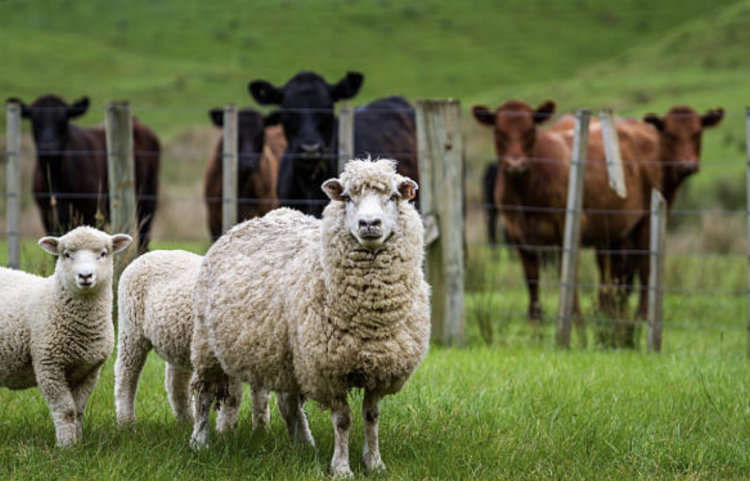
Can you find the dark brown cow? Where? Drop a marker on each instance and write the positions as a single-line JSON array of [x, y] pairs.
[[70, 182], [531, 186], [259, 150]]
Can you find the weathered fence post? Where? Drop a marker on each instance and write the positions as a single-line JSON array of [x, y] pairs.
[[229, 169], [747, 194], [657, 251], [121, 171], [612, 153], [346, 135], [13, 174], [572, 234], [440, 155]]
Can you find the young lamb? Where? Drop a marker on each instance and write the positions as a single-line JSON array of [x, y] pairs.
[[155, 309], [56, 332], [315, 308]]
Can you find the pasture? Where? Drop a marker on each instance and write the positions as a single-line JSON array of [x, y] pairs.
[[508, 405]]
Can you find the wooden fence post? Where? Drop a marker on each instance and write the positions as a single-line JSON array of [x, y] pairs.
[[612, 153], [229, 169], [572, 234], [747, 139], [440, 156], [13, 174], [122, 204], [657, 251], [346, 135]]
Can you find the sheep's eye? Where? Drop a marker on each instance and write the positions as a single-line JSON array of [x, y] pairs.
[[67, 255], [103, 254], [395, 197], [346, 198]]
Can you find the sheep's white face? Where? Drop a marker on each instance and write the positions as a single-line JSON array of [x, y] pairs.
[[371, 214], [85, 257]]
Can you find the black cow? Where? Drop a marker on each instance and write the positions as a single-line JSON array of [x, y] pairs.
[[70, 177], [384, 128]]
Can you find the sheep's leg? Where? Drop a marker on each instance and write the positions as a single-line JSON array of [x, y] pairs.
[[290, 405], [205, 393], [177, 383], [261, 414], [131, 356], [61, 404], [229, 409], [81, 395], [342, 421], [370, 415]]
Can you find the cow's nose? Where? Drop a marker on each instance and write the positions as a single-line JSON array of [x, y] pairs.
[[310, 148]]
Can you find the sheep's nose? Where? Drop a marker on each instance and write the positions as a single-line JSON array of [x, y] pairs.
[[369, 224], [86, 278]]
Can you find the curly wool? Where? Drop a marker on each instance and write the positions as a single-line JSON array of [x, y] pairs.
[[294, 304], [55, 338]]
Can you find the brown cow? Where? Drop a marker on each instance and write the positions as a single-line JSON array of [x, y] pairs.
[[70, 180], [531, 187], [260, 146]]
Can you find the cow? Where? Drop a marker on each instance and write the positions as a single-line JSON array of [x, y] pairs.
[[70, 179], [384, 128], [531, 187], [260, 145]]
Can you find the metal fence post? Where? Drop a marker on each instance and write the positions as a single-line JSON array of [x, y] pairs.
[[440, 156], [572, 235], [229, 169], [120, 166], [346, 135], [13, 174], [657, 248]]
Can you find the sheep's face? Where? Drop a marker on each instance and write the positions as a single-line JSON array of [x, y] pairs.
[[371, 210], [84, 261]]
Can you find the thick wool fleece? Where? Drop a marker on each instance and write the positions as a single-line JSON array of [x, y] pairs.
[[294, 304], [55, 338]]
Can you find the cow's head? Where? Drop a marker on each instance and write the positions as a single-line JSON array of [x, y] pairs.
[[680, 132], [250, 136], [306, 112], [515, 126], [50, 116]]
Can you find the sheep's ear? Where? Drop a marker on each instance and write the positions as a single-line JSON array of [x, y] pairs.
[[333, 189], [408, 189], [50, 244], [120, 242]]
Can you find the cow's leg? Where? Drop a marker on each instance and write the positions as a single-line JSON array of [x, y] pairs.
[[530, 260]]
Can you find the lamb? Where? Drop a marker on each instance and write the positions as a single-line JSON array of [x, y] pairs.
[[156, 312], [56, 332], [314, 308]]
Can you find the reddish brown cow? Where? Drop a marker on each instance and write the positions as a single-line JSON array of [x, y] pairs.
[[70, 181], [259, 150], [531, 187]]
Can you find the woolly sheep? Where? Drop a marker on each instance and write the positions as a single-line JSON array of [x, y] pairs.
[[315, 308], [56, 332], [155, 309]]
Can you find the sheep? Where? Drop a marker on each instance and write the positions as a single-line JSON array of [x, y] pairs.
[[56, 332], [314, 308], [155, 311]]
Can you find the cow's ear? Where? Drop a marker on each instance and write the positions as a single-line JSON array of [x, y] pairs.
[[545, 111], [217, 116], [264, 93], [273, 118], [78, 108], [483, 115], [334, 189], [713, 117], [654, 120], [25, 110], [347, 87]]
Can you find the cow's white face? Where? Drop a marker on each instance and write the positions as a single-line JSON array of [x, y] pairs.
[[371, 214], [85, 257]]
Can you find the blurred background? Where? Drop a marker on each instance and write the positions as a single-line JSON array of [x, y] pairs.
[[176, 59]]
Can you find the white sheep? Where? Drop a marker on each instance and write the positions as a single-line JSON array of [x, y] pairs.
[[315, 308], [155, 309], [56, 332]]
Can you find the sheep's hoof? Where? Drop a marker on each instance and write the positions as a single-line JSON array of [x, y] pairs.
[[373, 464], [341, 472], [198, 445]]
